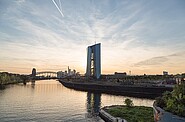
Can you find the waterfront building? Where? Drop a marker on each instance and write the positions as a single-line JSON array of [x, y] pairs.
[[93, 68]]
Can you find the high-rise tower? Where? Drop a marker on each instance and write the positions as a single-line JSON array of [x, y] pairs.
[[94, 61]]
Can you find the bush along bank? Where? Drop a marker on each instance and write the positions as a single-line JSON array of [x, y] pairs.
[[174, 101]]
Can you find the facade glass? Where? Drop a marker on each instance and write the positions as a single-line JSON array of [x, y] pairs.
[[94, 61]]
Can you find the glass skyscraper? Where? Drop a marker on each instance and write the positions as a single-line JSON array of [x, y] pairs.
[[94, 61]]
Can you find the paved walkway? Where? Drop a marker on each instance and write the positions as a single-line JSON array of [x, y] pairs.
[[164, 116]]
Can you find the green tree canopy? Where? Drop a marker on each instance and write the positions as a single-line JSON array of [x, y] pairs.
[[128, 102]]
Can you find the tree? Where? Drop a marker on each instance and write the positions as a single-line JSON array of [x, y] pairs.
[[174, 101], [160, 102], [128, 102], [167, 95], [179, 91]]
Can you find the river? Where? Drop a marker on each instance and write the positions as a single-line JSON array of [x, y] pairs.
[[48, 100]]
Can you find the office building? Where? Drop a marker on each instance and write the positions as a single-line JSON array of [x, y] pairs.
[[94, 61]]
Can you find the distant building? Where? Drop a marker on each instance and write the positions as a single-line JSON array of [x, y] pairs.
[[116, 75], [65, 73], [180, 79], [165, 73], [119, 74], [60, 74], [69, 71], [74, 71], [94, 61], [78, 74]]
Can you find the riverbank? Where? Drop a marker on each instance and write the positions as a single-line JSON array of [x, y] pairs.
[[117, 88], [130, 114], [10, 78]]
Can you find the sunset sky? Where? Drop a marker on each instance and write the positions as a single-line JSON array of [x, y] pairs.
[[142, 36]]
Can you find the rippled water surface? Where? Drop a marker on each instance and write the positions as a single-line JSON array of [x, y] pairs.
[[49, 100]]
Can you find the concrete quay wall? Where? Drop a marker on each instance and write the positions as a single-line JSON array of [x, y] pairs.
[[108, 118]]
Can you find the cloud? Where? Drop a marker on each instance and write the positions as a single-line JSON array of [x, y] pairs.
[[179, 54], [153, 61], [161, 60], [19, 2], [138, 33]]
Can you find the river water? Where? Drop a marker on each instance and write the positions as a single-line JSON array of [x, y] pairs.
[[48, 100]]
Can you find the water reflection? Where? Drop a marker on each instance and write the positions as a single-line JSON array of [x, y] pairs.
[[2, 87], [33, 84], [93, 105]]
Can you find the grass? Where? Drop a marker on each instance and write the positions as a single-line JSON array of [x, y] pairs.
[[132, 114]]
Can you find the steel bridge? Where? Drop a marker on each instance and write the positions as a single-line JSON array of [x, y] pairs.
[[44, 75], [47, 74]]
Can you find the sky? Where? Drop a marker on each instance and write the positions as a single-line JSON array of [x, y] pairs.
[[141, 36]]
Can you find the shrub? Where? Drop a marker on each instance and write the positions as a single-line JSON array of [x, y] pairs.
[[160, 102], [128, 102], [173, 101]]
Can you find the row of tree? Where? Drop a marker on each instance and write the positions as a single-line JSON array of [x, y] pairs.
[[173, 101], [8, 78]]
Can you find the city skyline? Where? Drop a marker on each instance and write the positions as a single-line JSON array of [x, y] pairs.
[[145, 37]]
